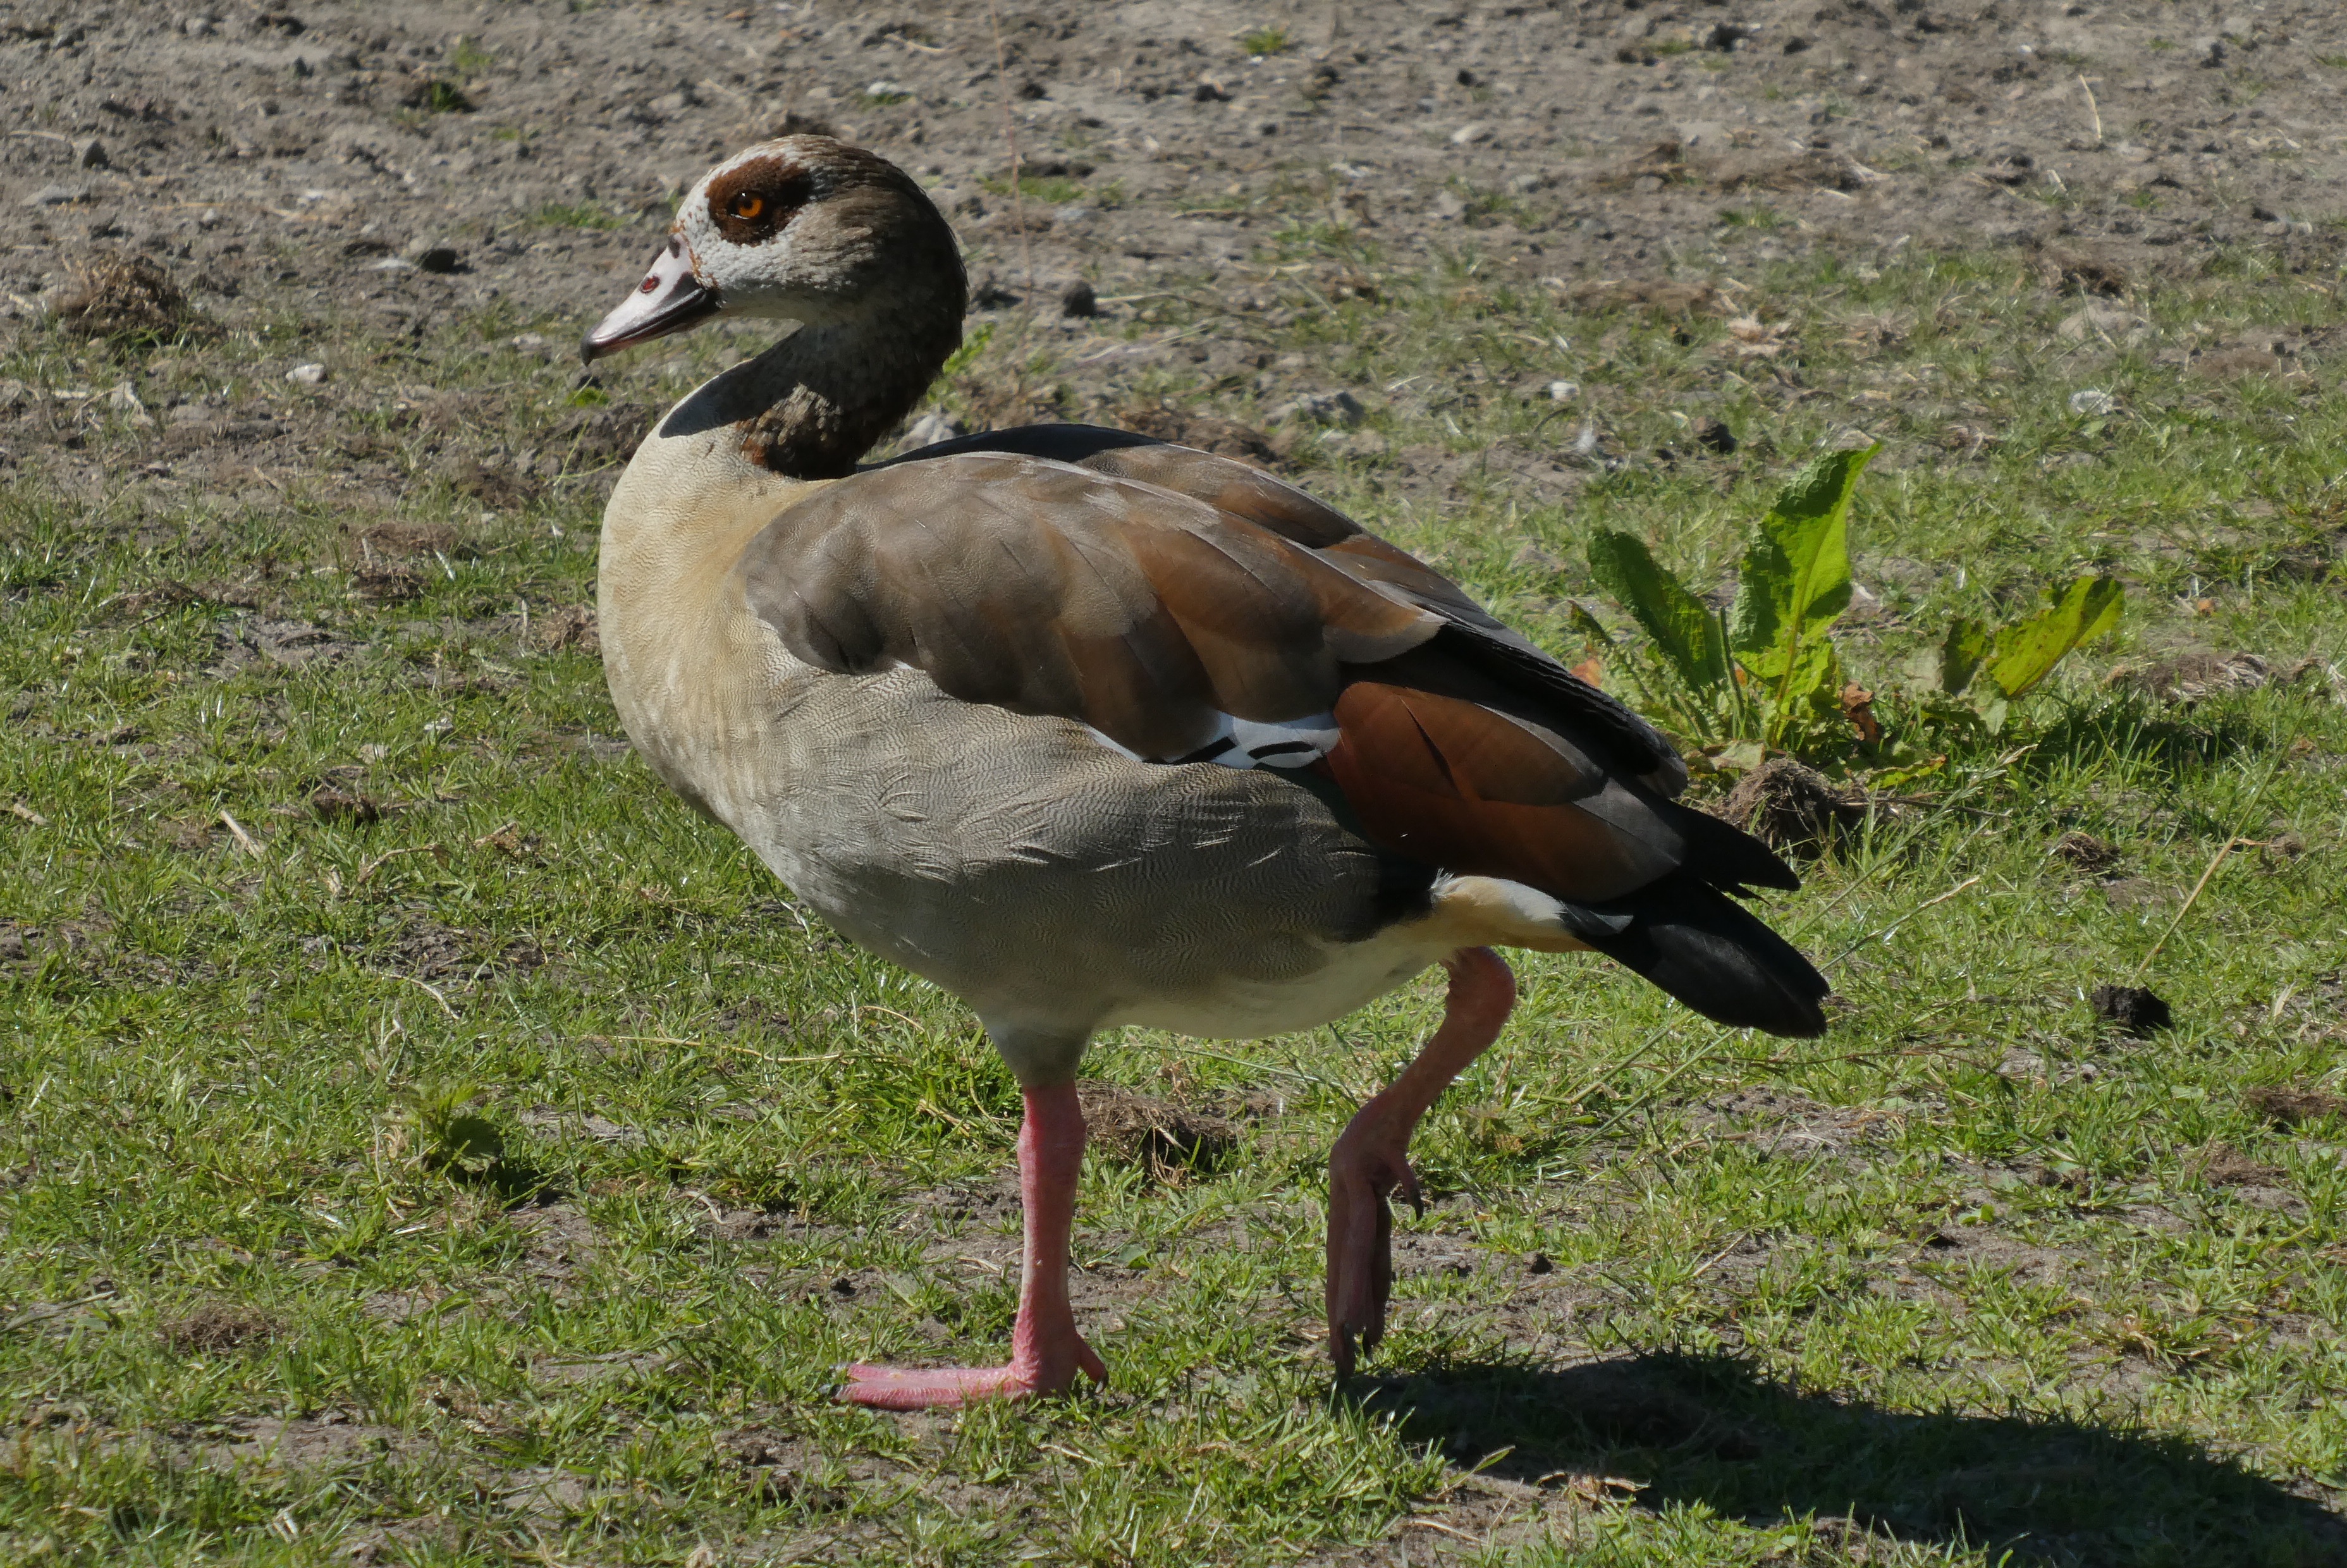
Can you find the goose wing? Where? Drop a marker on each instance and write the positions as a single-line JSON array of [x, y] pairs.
[[1186, 608]]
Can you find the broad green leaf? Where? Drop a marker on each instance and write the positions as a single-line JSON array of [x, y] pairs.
[[1809, 693], [1960, 656], [1681, 626], [2027, 651], [1795, 581]]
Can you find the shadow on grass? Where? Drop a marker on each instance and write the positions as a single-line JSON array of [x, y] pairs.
[[2129, 729], [2040, 1493]]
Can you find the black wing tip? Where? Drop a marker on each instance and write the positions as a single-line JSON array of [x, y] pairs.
[[1786, 1015], [1724, 856], [1716, 956]]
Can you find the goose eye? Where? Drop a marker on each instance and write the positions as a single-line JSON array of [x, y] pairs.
[[747, 205]]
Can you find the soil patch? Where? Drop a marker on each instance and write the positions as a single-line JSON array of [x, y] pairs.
[[120, 296], [572, 626], [1168, 1141], [1794, 809], [2223, 1165], [2085, 852], [2136, 1010], [347, 807], [2291, 1107], [216, 1327], [401, 537]]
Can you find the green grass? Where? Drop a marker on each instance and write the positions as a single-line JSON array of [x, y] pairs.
[[1262, 41], [1058, 190], [468, 58], [502, 1158]]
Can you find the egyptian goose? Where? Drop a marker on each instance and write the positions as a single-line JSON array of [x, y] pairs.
[[1093, 730]]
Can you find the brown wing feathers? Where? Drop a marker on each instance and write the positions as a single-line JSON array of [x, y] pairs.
[[1049, 588], [1461, 786], [1146, 590]]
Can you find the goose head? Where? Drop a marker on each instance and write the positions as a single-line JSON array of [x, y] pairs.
[[800, 229]]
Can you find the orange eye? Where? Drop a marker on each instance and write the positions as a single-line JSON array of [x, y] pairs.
[[748, 205]]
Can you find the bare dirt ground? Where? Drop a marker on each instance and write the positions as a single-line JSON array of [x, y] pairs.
[[399, 160]]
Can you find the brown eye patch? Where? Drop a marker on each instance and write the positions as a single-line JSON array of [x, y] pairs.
[[753, 202]]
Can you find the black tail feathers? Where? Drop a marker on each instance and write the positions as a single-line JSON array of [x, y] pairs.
[[1726, 856], [1712, 954]]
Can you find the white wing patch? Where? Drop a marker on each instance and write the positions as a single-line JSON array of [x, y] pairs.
[[1245, 743]]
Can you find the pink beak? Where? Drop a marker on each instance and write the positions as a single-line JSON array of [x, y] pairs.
[[669, 300]]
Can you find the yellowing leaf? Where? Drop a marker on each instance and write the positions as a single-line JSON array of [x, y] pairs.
[[2027, 651]]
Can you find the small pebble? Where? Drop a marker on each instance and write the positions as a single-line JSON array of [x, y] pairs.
[[311, 374], [2093, 403], [1078, 300], [1714, 436], [1563, 391], [438, 258], [90, 153], [1468, 134]]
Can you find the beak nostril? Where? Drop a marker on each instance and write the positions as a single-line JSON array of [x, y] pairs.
[[649, 283]]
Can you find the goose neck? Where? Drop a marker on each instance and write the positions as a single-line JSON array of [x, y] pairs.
[[815, 402]]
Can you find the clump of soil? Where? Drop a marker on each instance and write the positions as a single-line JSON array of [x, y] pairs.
[[2136, 1009], [1793, 809], [2082, 271], [1169, 1141], [573, 626], [331, 805], [121, 296], [216, 1327], [387, 582], [2289, 1107], [2222, 1166], [2085, 852]]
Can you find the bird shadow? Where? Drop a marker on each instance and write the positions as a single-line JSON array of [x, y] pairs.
[[1687, 1430]]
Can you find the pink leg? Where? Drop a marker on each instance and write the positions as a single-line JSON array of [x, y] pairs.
[[1372, 1158], [1045, 1351]]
